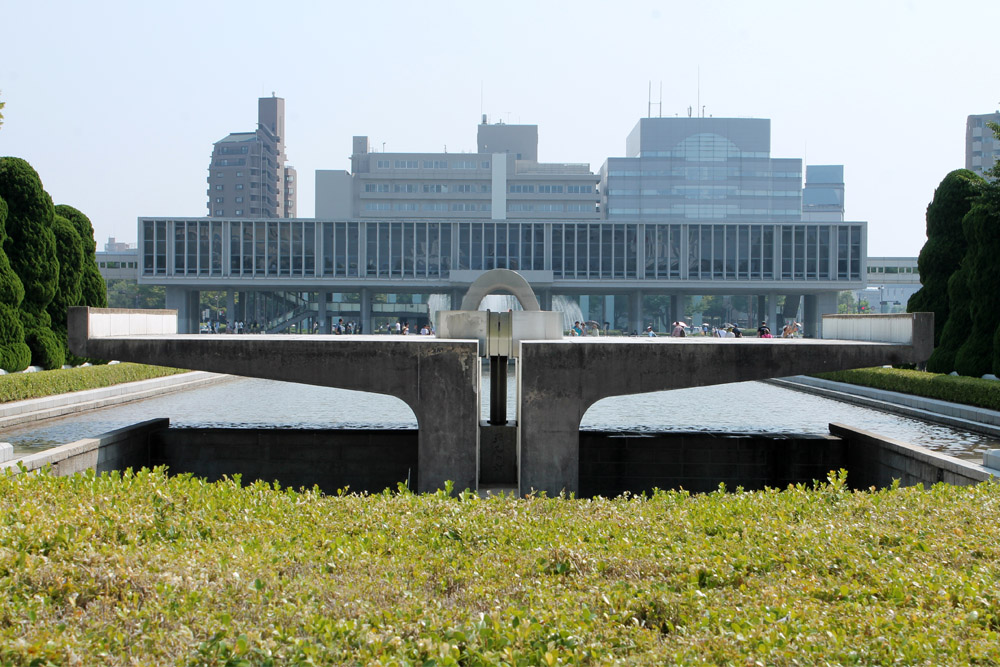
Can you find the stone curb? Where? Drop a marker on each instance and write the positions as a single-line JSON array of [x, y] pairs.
[[21, 412]]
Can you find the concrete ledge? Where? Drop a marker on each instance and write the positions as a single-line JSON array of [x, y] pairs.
[[977, 420], [35, 409], [115, 450]]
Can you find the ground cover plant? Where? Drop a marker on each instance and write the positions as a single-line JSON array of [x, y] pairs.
[[22, 386], [956, 389], [146, 568]]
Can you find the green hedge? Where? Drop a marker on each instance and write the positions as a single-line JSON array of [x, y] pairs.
[[178, 571], [957, 389], [21, 386]]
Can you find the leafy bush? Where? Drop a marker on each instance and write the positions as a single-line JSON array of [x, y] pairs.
[[957, 389], [174, 570], [14, 353], [22, 386], [975, 357]]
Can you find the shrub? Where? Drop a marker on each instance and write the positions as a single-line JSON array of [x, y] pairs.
[[975, 357], [956, 389], [22, 386], [94, 291], [14, 353]]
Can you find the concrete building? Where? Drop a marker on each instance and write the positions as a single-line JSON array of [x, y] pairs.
[[982, 148], [823, 196], [891, 283], [247, 176], [503, 180]]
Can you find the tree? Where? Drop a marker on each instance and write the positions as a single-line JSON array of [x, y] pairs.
[[946, 245], [975, 356], [14, 353], [31, 247], [846, 303], [124, 293], [94, 292], [69, 250]]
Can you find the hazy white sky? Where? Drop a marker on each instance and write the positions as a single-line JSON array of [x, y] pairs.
[[117, 104]]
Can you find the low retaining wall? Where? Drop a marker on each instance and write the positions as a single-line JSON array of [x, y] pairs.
[[115, 450], [610, 463]]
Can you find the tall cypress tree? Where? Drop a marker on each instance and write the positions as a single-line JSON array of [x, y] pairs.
[[94, 291], [975, 357], [945, 247], [31, 247], [69, 249], [14, 353]]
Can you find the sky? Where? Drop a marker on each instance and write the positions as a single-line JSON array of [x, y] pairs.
[[117, 104]]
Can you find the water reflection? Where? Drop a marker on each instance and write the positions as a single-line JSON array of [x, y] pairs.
[[748, 407]]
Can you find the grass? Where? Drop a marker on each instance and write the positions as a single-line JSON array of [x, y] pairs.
[[151, 569], [22, 386], [957, 389]]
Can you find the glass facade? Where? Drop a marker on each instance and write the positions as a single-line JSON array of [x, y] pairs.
[[572, 250]]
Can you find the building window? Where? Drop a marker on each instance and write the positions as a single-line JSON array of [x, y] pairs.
[[463, 207], [239, 211], [239, 186], [485, 164], [239, 174], [433, 187], [382, 164], [239, 200], [463, 164], [580, 189], [550, 189], [405, 164], [520, 208], [218, 211], [465, 187], [522, 188], [377, 206], [404, 187], [484, 188], [218, 200], [218, 174], [405, 206]]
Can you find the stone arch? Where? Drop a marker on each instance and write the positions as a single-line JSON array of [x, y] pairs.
[[497, 281]]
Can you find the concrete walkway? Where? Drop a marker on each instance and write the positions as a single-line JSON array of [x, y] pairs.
[[35, 409], [977, 420]]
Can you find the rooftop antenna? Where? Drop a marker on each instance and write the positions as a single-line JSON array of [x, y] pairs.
[[649, 102]]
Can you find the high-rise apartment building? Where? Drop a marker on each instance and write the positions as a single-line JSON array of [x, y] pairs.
[[248, 177], [982, 149]]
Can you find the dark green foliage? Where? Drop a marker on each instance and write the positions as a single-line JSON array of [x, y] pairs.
[[47, 349], [956, 389], [975, 357], [69, 249], [31, 248], [956, 329], [14, 354], [94, 291], [23, 386], [945, 246]]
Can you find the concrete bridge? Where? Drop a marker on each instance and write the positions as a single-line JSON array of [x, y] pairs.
[[557, 380]]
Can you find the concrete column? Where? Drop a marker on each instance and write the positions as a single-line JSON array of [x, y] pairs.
[[608, 312], [761, 311], [585, 306], [545, 299], [185, 302], [826, 304], [676, 308], [809, 316], [366, 310], [230, 308], [772, 311], [322, 317], [635, 311], [241, 310]]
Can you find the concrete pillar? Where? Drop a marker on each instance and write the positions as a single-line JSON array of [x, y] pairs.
[[635, 311], [761, 311], [322, 317], [608, 312], [772, 311], [585, 306], [230, 308], [676, 308], [809, 316], [545, 299], [826, 304], [366, 311], [185, 302]]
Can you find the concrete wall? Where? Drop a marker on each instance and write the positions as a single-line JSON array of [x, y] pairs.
[[115, 450], [364, 460]]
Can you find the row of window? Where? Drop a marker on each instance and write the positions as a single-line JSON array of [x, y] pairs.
[[578, 250], [704, 173], [705, 211], [432, 164], [512, 207], [892, 269], [703, 192]]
